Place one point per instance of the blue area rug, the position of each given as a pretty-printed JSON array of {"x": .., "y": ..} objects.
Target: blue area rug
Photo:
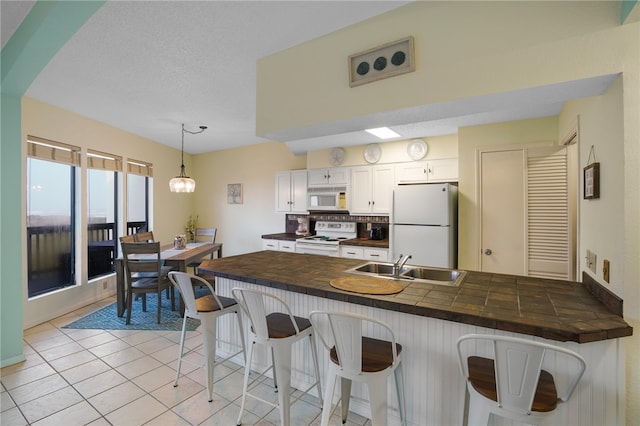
[{"x": 107, "y": 318}]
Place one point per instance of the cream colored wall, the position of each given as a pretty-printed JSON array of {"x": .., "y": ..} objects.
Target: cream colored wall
[
  {"x": 170, "y": 210},
  {"x": 523, "y": 132},
  {"x": 240, "y": 226},
  {"x": 529, "y": 44},
  {"x": 392, "y": 152}
]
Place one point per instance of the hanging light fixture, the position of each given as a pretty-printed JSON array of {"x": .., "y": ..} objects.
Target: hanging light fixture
[{"x": 184, "y": 183}]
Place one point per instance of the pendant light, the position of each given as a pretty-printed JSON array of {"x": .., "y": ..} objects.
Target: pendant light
[{"x": 184, "y": 183}]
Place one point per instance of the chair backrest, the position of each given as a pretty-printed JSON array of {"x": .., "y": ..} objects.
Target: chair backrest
[
  {"x": 141, "y": 257},
  {"x": 206, "y": 234},
  {"x": 345, "y": 331},
  {"x": 518, "y": 363},
  {"x": 184, "y": 282},
  {"x": 128, "y": 238},
  {"x": 252, "y": 303},
  {"x": 143, "y": 237}
]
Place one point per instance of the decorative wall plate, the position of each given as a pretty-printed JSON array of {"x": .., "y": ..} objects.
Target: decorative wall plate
[
  {"x": 372, "y": 153},
  {"x": 417, "y": 149},
  {"x": 336, "y": 156}
]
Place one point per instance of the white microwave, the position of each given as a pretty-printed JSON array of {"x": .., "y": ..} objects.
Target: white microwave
[{"x": 334, "y": 198}]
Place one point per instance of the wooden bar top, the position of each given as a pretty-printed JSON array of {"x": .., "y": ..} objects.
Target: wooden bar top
[{"x": 552, "y": 309}]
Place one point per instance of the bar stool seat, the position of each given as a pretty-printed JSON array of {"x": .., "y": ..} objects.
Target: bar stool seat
[{"x": 278, "y": 330}]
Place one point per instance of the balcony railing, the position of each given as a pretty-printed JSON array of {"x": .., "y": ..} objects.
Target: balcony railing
[{"x": 49, "y": 260}]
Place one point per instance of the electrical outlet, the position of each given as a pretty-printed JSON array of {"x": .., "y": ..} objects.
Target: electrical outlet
[
  {"x": 591, "y": 260},
  {"x": 605, "y": 270},
  {"x": 368, "y": 226}
]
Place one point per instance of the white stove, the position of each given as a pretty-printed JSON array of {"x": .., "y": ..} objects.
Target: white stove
[{"x": 327, "y": 239}]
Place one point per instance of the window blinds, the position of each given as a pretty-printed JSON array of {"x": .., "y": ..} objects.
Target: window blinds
[
  {"x": 45, "y": 149},
  {"x": 103, "y": 161},
  {"x": 138, "y": 167}
]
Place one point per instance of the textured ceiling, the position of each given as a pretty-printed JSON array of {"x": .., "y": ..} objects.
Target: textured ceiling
[{"x": 147, "y": 66}]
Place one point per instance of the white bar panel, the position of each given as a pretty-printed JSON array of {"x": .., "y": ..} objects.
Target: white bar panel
[{"x": 434, "y": 389}]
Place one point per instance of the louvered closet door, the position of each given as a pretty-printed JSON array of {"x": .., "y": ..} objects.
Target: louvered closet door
[
  {"x": 548, "y": 221},
  {"x": 525, "y": 222}
]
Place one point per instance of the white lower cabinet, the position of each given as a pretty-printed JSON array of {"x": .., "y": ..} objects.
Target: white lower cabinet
[
  {"x": 366, "y": 253},
  {"x": 352, "y": 252},
  {"x": 376, "y": 254},
  {"x": 279, "y": 245}
]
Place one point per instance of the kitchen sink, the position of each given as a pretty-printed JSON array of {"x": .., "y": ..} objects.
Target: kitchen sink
[
  {"x": 372, "y": 268},
  {"x": 439, "y": 276}
]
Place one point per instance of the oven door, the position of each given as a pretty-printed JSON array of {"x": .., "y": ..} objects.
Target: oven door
[{"x": 321, "y": 249}]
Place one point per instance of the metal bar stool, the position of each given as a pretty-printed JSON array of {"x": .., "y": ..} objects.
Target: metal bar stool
[
  {"x": 512, "y": 384},
  {"x": 278, "y": 330},
  {"x": 207, "y": 309},
  {"x": 353, "y": 356}
]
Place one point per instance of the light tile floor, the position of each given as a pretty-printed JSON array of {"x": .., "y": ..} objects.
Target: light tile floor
[{"x": 125, "y": 377}]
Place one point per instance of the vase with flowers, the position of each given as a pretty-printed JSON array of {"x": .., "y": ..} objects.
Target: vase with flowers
[{"x": 190, "y": 228}]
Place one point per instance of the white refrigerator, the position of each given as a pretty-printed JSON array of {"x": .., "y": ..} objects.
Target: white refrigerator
[{"x": 423, "y": 224}]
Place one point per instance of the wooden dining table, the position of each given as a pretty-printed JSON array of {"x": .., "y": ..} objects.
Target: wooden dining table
[{"x": 179, "y": 259}]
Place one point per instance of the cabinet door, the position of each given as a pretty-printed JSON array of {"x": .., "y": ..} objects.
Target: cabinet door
[
  {"x": 443, "y": 170},
  {"x": 299, "y": 191},
  {"x": 338, "y": 176},
  {"x": 318, "y": 177},
  {"x": 360, "y": 190},
  {"x": 270, "y": 245},
  {"x": 283, "y": 192},
  {"x": 417, "y": 172},
  {"x": 352, "y": 252},
  {"x": 376, "y": 254},
  {"x": 382, "y": 183}
]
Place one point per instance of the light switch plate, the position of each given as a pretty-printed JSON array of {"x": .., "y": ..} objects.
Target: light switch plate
[{"x": 591, "y": 261}]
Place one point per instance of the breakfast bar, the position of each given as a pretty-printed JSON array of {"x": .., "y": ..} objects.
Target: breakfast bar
[{"x": 429, "y": 318}]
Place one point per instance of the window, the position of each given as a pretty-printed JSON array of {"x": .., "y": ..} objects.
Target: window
[
  {"x": 51, "y": 207},
  {"x": 103, "y": 171},
  {"x": 139, "y": 198}
]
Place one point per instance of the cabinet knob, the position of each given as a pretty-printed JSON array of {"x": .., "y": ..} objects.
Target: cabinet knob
[{"x": 488, "y": 252}]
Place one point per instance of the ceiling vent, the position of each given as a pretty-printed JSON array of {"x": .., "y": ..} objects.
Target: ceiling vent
[{"x": 384, "y": 61}]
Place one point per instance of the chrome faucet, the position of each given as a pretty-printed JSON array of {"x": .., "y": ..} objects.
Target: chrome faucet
[{"x": 398, "y": 264}]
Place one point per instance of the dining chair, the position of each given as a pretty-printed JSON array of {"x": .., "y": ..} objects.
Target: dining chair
[
  {"x": 272, "y": 324},
  {"x": 144, "y": 237},
  {"x": 144, "y": 274},
  {"x": 512, "y": 383},
  {"x": 353, "y": 356},
  {"x": 207, "y": 309},
  {"x": 207, "y": 235}
]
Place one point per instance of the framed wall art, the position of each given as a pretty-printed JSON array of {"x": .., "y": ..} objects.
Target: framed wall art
[
  {"x": 592, "y": 181},
  {"x": 234, "y": 193}
]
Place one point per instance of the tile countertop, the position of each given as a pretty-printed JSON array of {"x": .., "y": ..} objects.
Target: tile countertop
[{"x": 552, "y": 309}]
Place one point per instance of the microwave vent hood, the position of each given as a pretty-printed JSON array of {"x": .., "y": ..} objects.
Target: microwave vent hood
[{"x": 326, "y": 189}]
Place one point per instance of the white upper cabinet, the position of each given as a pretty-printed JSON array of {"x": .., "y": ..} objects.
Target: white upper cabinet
[
  {"x": 441, "y": 170},
  {"x": 338, "y": 176},
  {"x": 371, "y": 189},
  {"x": 291, "y": 191}
]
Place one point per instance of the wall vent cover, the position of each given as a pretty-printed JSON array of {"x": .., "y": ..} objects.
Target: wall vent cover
[{"x": 384, "y": 61}]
